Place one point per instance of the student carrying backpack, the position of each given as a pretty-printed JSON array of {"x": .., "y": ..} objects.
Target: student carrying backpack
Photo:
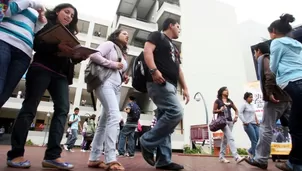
[{"x": 140, "y": 71}]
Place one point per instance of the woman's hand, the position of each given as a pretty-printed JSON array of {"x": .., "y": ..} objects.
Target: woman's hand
[
  {"x": 119, "y": 65},
  {"x": 235, "y": 119},
  {"x": 41, "y": 16},
  {"x": 65, "y": 48},
  {"x": 126, "y": 78}
]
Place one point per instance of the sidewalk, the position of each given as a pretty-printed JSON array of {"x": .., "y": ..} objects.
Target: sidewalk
[{"x": 79, "y": 159}]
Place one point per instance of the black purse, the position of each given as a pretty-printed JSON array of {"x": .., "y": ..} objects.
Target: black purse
[{"x": 217, "y": 124}]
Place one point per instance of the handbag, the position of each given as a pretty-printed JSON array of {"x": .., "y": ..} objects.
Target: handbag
[
  {"x": 95, "y": 74},
  {"x": 217, "y": 124}
]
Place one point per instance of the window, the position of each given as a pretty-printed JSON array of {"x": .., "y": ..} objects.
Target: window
[
  {"x": 82, "y": 42},
  {"x": 94, "y": 45},
  {"x": 83, "y": 26},
  {"x": 100, "y": 30}
]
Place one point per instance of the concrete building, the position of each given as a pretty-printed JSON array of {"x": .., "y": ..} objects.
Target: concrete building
[
  {"x": 212, "y": 58},
  {"x": 138, "y": 18}
]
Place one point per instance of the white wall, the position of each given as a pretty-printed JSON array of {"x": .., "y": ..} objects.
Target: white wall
[
  {"x": 251, "y": 33},
  {"x": 212, "y": 58}
]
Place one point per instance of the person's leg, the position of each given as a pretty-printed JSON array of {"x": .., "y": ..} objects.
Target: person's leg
[
  {"x": 294, "y": 89},
  {"x": 110, "y": 97},
  {"x": 5, "y": 59},
  {"x": 122, "y": 140},
  {"x": 271, "y": 113},
  {"x": 83, "y": 145},
  {"x": 99, "y": 135},
  {"x": 223, "y": 145},
  {"x": 131, "y": 142},
  {"x": 163, "y": 152},
  {"x": 73, "y": 139},
  {"x": 37, "y": 80},
  {"x": 87, "y": 145},
  {"x": 167, "y": 101},
  {"x": 250, "y": 131},
  {"x": 227, "y": 131},
  {"x": 59, "y": 92},
  {"x": 256, "y": 132},
  {"x": 17, "y": 67}
]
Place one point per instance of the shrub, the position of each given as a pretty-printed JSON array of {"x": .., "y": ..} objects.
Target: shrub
[
  {"x": 242, "y": 151},
  {"x": 29, "y": 143}
]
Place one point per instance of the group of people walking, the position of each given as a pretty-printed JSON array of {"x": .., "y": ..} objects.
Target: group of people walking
[
  {"x": 280, "y": 73},
  {"x": 24, "y": 20}
]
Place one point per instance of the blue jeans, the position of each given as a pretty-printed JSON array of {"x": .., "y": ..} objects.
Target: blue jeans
[
  {"x": 13, "y": 65},
  {"x": 107, "y": 129},
  {"x": 252, "y": 130},
  {"x": 127, "y": 132},
  {"x": 72, "y": 138},
  {"x": 170, "y": 113},
  {"x": 294, "y": 89}
]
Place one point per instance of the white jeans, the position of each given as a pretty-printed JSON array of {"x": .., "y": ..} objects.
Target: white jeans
[
  {"x": 106, "y": 131},
  {"x": 228, "y": 139}
]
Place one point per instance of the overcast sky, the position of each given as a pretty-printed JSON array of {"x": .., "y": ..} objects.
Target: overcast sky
[{"x": 262, "y": 11}]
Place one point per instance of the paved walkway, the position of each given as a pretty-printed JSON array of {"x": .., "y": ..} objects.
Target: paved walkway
[{"x": 79, "y": 159}]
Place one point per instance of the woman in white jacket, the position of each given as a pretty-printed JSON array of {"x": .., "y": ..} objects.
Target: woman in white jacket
[{"x": 109, "y": 95}]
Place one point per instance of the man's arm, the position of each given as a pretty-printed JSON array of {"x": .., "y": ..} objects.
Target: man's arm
[
  {"x": 182, "y": 80},
  {"x": 270, "y": 81},
  {"x": 183, "y": 85},
  {"x": 127, "y": 109},
  {"x": 148, "y": 55}
]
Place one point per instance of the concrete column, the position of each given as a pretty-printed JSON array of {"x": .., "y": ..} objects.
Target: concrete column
[
  {"x": 77, "y": 98},
  {"x": 153, "y": 11},
  {"x": 134, "y": 13},
  {"x": 212, "y": 58}
]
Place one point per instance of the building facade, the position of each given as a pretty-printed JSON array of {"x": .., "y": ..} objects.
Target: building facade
[{"x": 139, "y": 18}]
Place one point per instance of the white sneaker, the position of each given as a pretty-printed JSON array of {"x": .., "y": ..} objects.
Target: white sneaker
[
  {"x": 224, "y": 160},
  {"x": 83, "y": 151},
  {"x": 65, "y": 147},
  {"x": 239, "y": 159},
  {"x": 70, "y": 150}
]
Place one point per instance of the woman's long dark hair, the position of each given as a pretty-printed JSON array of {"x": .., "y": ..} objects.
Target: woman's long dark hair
[
  {"x": 114, "y": 38},
  {"x": 51, "y": 16},
  {"x": 219, "y": 93}
]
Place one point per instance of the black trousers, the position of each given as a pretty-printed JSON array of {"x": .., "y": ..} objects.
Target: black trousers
[
  {"x": 294, "y": 89},
  {"x": 37, "y": 81}
]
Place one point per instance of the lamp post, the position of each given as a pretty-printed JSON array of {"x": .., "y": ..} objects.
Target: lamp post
[
  {"x": 47, "y": 128},
  {"x": 198, "y": 96}
]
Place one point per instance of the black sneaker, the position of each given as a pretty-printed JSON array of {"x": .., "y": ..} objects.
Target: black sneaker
[
  {"x": 171, "y": 166},
  {"x": 256, "y": 164},
  {"x": 148, "y": 156}
]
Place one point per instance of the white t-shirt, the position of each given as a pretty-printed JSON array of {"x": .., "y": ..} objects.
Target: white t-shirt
[
  {"x": 84, "y": 126},
  {"x": 75, "y": 125}
]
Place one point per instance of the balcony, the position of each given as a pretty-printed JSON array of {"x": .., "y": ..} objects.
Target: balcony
[
  {"x": 138, "y": 31},
  {"x": 86, "y": 104},
  {"x": 139, "y": 9},
  {"x": 167, "y": 10}
]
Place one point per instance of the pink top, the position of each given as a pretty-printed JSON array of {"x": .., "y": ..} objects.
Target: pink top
[{"x": 106, "y": 56}]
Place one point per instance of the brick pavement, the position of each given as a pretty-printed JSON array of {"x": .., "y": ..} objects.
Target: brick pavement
[{"x": 79, "y": 159}]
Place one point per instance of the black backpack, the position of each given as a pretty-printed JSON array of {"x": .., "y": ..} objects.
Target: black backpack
[
  {"x": 140, "y": 71},
  {"x": 135, "y": 111},
  {"x": 69, "y": 124}
]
